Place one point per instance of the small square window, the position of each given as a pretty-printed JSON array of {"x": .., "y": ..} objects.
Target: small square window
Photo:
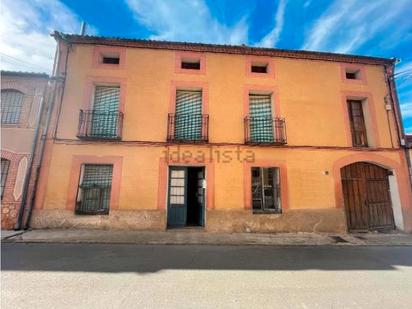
[
  {"x": 190, "y": 64},
  {"x": 110, "y": 58},
  {"x": 352, "y": 74},
  {"x": 259, "y": 68}
]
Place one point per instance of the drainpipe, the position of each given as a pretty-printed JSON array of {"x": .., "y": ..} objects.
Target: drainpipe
[
  {"x": 42, "y": 146},
  {"x": 399, "y": 126},
  {"x": 30, "y": 166},
  {"x": 56, "y": 81}
]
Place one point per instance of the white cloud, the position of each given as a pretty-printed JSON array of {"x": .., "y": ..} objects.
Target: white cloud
[
  {"x": 186, "y": 20},
  {"x": 352, "y": 23},
  {"x": 25, "y": 28},
  {"x": 406, "y": 109},
  {"x": 271, "y": 39}
]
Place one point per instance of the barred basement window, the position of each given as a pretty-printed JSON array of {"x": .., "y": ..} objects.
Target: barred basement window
[
  {"x": 94, "y": 190},
  {"x": 261, "y": 119},
  {"x": 5, "y": 164},
  {"x": 266, "y": 189},
  {"x": 188, "y": 122},
  {"x": 11, "y": 106}
]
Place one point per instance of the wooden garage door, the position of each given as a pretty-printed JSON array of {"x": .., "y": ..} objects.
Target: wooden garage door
[{"x": 367, "y": 197}]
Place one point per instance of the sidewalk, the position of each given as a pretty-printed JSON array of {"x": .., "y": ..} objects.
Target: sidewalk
[{"x": 200, "y": 237}]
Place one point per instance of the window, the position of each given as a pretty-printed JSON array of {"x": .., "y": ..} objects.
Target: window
[
  {"x": 190, "y": 64},
  {"x": 357, "y": 123},
  {"x": 105, "y": 111},
  {"x": 94, "y": 189},
  {"x": 261, "y": 120},
  {"x": 266, "y": 189},
  {"x": 5, "y": 164},
  {"x": 11, "y": 106},
  {"x": 188, "y": 121},
  {"x": 259, "y": 67},
  {"x": 111, "y": 60},
  {"x": 352, "y": 74}
]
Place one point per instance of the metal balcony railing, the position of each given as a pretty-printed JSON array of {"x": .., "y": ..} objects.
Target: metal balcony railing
[
  {"x": 95, "y": 124},
  {"x": 265, "y": 130},
  {"x": 188, "y": 128}
]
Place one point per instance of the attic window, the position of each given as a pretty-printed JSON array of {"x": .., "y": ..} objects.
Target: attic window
[
  {"x": 259, "y": 68},
  {"x": 190, "y": 64},
  {"x": 112, "y": 58},
  {"x": 352, "y": 74}
]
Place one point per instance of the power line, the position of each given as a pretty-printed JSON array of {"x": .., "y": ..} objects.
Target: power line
[{"x": 23, "y": 63}]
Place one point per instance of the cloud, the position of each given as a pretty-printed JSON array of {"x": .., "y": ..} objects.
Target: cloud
[
  {"x": 186, "y": 20},
  {"x": 271, "y": 39},
  {"x": 24, "y": 30},
  {"x": 347, "y": 25}
]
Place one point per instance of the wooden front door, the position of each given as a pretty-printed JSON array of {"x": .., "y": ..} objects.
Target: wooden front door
[
  {"x": 367, "y": 197},
  {"x": 177, "y": 206}
]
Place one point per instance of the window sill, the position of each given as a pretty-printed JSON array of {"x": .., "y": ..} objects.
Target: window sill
[{"x": 267, "y": 212}]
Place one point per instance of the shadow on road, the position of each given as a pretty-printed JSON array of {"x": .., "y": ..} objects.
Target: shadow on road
[{"x": 152, "y": 258}]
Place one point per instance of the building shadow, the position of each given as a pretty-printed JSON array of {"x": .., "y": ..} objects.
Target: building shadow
[{"x": 109, "y": 258}]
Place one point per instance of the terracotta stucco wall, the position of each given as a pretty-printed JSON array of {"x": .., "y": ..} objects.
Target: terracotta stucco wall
[{"x": 311, "y": 95}]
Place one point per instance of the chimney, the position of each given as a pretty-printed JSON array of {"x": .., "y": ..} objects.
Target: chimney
[{"x": 83, "y": 28}]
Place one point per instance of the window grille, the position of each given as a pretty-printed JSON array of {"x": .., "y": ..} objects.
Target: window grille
[
  {"x": 5, "y": 164},
  {"x": 261, "y": 120},
  {"x": 266, "y": 189},
  {"x": 105, "y": 111},
  {"x": 11, "y": 106},
  {"x": 94, "y": 189},
  {"x": 188, "y": 118}
]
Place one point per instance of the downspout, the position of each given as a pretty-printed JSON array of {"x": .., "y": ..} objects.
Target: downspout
[
  {"x": 27, "y": 177},
  {"x": 399, "y": 126},
  {"x": 56, "y": 80},
  {"x": 42, "y": 146}
]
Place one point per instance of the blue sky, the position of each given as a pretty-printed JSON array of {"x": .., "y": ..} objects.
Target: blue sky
[{"x": 366, "y": 27}]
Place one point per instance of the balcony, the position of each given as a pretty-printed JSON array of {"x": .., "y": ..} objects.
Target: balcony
[
  {"x": 188, "y": 128},
  {"x": 100, "y": 125},
  {"x": 265, "y": 130}
]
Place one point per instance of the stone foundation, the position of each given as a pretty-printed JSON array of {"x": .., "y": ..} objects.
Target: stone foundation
[
  {"x": 117, "y": 220},
  {"x": 9, "y": 213},
  {"x": 297, "y": 220},
  {"x": 232, "y": 221}
]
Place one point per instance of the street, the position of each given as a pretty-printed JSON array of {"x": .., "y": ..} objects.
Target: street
[{"x": 188, "y": 276}]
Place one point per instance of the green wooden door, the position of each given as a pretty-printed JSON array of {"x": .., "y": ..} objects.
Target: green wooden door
[
  {"x": 201, "y": 196},
  {"x": 177, "y": 204}
]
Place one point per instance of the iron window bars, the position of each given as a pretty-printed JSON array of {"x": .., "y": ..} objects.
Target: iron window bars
[
  {"x": 100, "y": 125},
  {"x": 188, "y": 124},
  {"x": 265, "y": 130},
  {"x": 94, "y": 190},
  {"x": 5, "y": 164},
  {"x": 11, "y": 106}
]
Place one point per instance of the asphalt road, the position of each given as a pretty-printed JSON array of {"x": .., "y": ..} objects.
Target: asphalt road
[{"x": 134, "y": 276}]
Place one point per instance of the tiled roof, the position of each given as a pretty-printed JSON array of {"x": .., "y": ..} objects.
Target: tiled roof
[
  {"x": 216, "y": 48},
  {"x": 24, "y": 74}
]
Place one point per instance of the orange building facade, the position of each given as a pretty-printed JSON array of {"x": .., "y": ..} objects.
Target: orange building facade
[{"x": 155, "y": 135}]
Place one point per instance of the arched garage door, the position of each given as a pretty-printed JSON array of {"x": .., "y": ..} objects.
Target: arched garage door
[{"x": 367, "y": 197}]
